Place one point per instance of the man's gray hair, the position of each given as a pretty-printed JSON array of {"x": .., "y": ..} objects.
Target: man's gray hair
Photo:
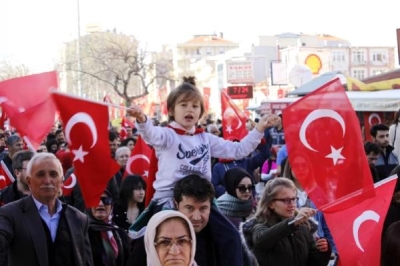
[
  {"x": 40, "y": 157},
  {"x": 121, "y": 149}
]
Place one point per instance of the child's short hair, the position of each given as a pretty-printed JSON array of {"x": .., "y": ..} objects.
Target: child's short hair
[{"x": 191, "y": 93}]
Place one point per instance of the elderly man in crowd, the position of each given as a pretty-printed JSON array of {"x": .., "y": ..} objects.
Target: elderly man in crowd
[{"x": 39, "y": 229}]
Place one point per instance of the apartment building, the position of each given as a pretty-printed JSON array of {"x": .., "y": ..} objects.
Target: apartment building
[{"x": 198, "y": 48}]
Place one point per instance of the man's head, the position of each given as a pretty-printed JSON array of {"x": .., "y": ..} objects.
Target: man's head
[
  {"x": 113, "y": 141},
  {"x": 60, "y": 136},
  {"x": 122, "y": 155},
  {"x": 14, "y": 144},
  {"x": 19, "y": 163},
  {"x": 372, "y": 151},
  {"x": 193, "y": 196},
  {"x": 44, "y": 177},
  {"x": 380, "y": 135}
]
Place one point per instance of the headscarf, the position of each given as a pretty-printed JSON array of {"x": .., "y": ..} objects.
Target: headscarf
[
  {"x": 232, "y": 179},
  {"x": 149, "y": 236},
  {"x": 111, "y": 243}
]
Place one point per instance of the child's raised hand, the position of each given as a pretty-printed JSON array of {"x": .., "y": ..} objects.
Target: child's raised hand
[
  {"x": 136, "y": 112},
  {"x": 267, "y": 121}
]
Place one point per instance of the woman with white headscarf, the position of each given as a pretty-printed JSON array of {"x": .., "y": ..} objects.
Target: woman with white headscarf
[{"x": 170, "y": 238}]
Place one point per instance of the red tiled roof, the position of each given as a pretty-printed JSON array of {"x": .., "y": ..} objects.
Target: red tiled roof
[{"x": 208, "y": 39}]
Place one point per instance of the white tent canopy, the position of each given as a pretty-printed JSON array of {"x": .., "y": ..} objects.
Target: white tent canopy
[
  {"x": 375, "y": 101},
  {"x": 362, "y": 101}
]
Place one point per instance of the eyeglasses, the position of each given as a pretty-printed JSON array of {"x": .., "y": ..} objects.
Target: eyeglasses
[
  {"x": 287, "y": 201},
  {"x": 106, "y": 200},
  {"x": 166, "y": 243},
  {"x": 243, "y": 189}
]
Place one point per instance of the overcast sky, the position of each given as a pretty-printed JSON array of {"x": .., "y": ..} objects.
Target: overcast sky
[{"x": 33, "y": 31}]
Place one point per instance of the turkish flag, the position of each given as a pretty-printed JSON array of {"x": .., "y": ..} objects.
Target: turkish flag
[
  {"x": 139, "y": 161},
  {"x": 125, "y": 123},
  {"x": 370, "y": 119},
  {"x": 324, "y": 144},
  {"x": 3, "y": 119},
  {"x": 357, "y": 230},
  {"x": 6, "y": 178},
  {"x": 85, "y": 125},
  {"x": 69, "y": 185},
  {"x": 107, "y": 99},
  {"x": 206, "y": 97},
  {"x": 163, "y": 94},
  {"x": 153, "y": 169},
  {"x": 233, "y": 119},
  {"x": 28, "y": 104}
]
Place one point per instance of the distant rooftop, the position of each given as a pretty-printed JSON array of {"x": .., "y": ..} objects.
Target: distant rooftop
[{"x": 207, "y": 39}]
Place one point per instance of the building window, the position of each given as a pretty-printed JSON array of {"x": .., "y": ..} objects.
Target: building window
[
  {"x": 208, "y": 51},
  {"x": 358, "y": 56},
  {"x": 338, "y": 56},
  {"x": 378, "y": 57},
  {"x": 221, "y": 50},
  {"x": 198, "y": 52},
  {"x": 377, "y": 72},
  {"x": 358, "y": 74}
]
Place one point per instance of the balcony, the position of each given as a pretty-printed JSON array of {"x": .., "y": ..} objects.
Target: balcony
[
  {"x": 379, "y": 63},
  {"x": 359, "y": 62}
]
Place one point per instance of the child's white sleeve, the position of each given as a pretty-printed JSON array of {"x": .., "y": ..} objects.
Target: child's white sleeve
[
  {"x": 158, "y": 137},
  {"x": 221, "y": 148}
]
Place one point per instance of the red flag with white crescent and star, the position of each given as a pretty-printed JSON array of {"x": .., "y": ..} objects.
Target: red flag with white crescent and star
[
  {"x": 6, "y": 178},
  {"x": 357, "y": 230},
  {"x": 86, "y": 131},
  {"x": 28, "y": 104},
  {"x": 69, "y": 185},
  {"x": 233, "y": 119},
  {"x": 153, "y": 169},
  {"x": 139, "y": 161},
  {"x": 370, "y": 119},
  {"x": 324, "y": 145},
  {"x": 125, "y": 123}
]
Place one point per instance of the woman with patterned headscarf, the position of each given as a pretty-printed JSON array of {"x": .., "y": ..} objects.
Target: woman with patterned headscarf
[{"x": 237, "y": 202}]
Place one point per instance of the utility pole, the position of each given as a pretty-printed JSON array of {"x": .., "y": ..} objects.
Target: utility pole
[
  {"x": 78, "y": 52},
  {"x": 398, "y": 44}
]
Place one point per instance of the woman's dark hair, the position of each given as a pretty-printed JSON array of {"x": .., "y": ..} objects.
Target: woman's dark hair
[
  {"x": 233, "y": 177},
  {"x": 126, "y": 141},
  {"x": 190, "y": 92},
  {"x": 391, "y": 246},
  {"x": 130, "y": 183},
  {"x": 50, "y": 143}
]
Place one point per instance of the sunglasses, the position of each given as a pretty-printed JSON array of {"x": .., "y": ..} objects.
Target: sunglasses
[
  {"x": 106, "y": 200},
  {"x": 243, "y": 189}
]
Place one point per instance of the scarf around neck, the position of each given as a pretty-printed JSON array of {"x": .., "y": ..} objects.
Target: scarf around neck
[
  {"x": 181, "y": 131},
  {"x": 234, "y": 207}
]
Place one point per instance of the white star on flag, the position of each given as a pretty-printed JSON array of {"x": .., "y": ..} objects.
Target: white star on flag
[
  {"x": 146, "y": 174},
  {"x": 79, "y": 154},
  {"x": 229, "y": 129},
  {"x": 335, "y": 155}
]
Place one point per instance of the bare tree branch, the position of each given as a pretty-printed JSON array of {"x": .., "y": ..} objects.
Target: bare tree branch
[{"x": 116, "y": 61}]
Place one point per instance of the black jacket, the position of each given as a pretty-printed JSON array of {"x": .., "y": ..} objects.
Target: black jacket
[
  {"x": 10, "y": 194},
  {"x": 96, "y": 242},
  {"x": 278, "y": 243}
]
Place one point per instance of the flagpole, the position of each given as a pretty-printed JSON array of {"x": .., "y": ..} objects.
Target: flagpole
[{"x": 78, "y": 50}]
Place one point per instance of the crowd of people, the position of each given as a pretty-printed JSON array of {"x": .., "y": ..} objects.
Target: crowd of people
[{"x": 206, "y": 209}]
